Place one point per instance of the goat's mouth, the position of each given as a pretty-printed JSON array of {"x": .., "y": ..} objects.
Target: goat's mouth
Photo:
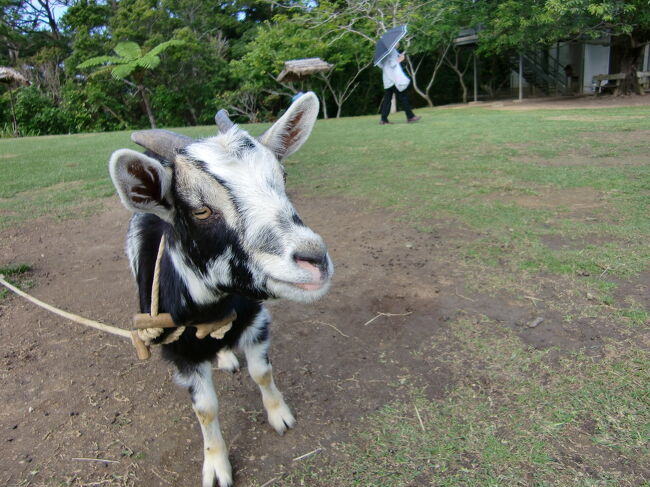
[
  {"x": 317, "y": 274},
  {"x": 305, "y": 286},
  {"x": 312, "y": 282}
]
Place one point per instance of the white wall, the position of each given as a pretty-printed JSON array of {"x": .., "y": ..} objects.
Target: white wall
[
  {"x": 596, "y": 62},
  {"x": 563, "y": 55}
]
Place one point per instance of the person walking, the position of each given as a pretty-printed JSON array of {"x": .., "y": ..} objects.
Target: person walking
[{"x": 395, "y": 82}]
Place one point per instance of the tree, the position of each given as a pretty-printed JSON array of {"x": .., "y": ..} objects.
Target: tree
[
  {"x": 368, "y": 20},
  {"x": 627, "y": 22},
  {"x": 526, "y": 24},
  {"x": 433, "y": 29},
  {"x": 12, "y": 79},
  {"x": 131, "y": 62},
  {"x": 284, "y": 40}
]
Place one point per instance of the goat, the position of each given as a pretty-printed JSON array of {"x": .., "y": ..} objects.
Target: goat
[{"x": 232, "y": 240}]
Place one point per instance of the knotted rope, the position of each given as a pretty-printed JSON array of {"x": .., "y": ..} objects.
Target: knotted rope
[
  {"x": 147, "y": 327},
  {"x": 147, "y": 335}
]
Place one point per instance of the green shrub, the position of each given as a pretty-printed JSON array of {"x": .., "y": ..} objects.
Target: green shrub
[{"x": 37, "y": 113}]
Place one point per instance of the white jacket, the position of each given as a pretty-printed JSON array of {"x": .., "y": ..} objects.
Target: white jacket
[{"x": 393, "y": 73}]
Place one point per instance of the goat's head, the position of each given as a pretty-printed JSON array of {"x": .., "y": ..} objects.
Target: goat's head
[{"x": 234, "y": 228}]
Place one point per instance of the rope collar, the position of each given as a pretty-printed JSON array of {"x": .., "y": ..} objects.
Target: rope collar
[{"x": 148, "y": 327}]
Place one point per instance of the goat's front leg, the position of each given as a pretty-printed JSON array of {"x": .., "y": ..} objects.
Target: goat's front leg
[
  {"x": 206, "y": 407},
  {"x": 259, "y": 367}
]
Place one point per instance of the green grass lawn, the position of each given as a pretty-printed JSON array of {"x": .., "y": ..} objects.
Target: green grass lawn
[
  {"x": 520, "y": 417},
  {"x": 563, "y": 194}
]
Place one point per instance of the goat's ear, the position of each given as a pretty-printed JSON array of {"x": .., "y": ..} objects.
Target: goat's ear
[
  {"x": 288, "y": 134},
  {"x": 141, "y": 181}
]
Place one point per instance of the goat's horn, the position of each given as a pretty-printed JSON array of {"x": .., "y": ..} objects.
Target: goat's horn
[
  {"x": 163, "y": 142},
  {"x": 223, "y": 122}
]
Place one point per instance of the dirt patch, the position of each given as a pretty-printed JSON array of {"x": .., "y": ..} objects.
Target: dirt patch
[
  {"x": 586, "y": 159},
  {"x": 632, "y": 138},
  {"x": 591, "y": 118},
  {"x": 576, "y": 199},
  {"x": 8, "y": 156},
  {"x": 630, "y": 150},
  {"x": 39, "y": 192},
  {"x": 71, "y": 395},
  {"x": 636, "y": 290},
  {"x": 563, "y": 242},
  {"x": 566, "y": 103}
]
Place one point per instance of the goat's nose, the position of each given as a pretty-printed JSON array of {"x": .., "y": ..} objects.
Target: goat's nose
[{"x": 315, "y": 257}]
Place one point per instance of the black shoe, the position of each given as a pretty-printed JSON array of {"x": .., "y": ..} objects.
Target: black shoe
[
  {"x": 385, "y": 122},
  {"x": 414, "y": 119}
]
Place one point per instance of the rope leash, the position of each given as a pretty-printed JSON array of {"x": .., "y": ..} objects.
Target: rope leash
[{"x": 147, "y": 327}]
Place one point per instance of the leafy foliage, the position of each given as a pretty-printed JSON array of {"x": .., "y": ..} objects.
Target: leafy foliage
[
  {"x": 129, "y": 59},
  {"x": 132, "y": 62},
  {"x": 233, "y": 50}
]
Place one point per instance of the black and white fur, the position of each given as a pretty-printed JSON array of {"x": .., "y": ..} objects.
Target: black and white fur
[{"x": 251, "y": 246}]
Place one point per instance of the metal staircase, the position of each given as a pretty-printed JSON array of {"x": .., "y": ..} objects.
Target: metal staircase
[{"x": 541, "y": 70}]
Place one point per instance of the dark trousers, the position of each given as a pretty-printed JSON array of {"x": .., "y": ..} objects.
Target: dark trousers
[{"x": 402, "y": 100}]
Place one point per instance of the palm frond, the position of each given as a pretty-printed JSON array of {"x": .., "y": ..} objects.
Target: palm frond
[
  {"x": 122, "y": 71},
  {"x": 148, "y": 61},
  {"x": 100, "y": 60},
  {"x": 128, "y": 50},
  {"x": 100, "y": 71},
  {"x": 165, "y": 45}
]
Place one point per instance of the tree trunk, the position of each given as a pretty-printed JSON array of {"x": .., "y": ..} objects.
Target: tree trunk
[
  {"x": 422, "y": 94},
  {"x": 631, "y": 62},
  {"x": 414, "y": 81},
  {"x": 51, "y": 19},
  {"x": 13, "y": 114},
  {"x": 112, "y": 113},
  {"x": 455, "y": 66},
  {"x": 324, "y": 103},
  {"x": 193, "y": 118},
  {"x": 425, "y": 96},
  {"x": 147, "y": 105}
]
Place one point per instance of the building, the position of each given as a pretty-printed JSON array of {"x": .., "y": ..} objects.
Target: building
[
  {"x": 570, "y": 67},
  {"x": 563, "y": 69}
]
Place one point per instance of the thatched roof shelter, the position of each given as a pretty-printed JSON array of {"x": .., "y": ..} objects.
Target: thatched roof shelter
[
  {"x": 11, "y": 76},
  {"x": 298, "y": 69}
]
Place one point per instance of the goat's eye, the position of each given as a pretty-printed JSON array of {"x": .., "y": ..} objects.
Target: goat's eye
[{"x": 202, "y": 213}]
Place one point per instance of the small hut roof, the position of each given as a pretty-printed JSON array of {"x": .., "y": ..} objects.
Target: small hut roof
[
  {"x": 10, "y": 75},
  {"x": 297, "y": 69}
]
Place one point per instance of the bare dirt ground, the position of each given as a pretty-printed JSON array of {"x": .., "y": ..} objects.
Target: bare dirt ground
[
  {"x": 72, "y": 396},
  {"x": 564, "y": 102}
]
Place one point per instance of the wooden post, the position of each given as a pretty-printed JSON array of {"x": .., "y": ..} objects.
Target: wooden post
[
  {"x": 475, "y": 79},
  {"x": 14, "y": 121},
  {"x": 521, "y": 77}
]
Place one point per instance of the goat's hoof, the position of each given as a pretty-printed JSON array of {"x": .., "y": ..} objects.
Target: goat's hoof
[
  {"x": 281, "y": 418},
  {"x": 217, "y": 472},
  {"x": 227, "y": 360}
]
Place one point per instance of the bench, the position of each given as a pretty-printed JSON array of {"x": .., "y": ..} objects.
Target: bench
[{"x": 613, "y": 81}]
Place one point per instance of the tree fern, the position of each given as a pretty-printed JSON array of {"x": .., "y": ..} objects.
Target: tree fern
[
  {"x": 99, "y": 60},
  {"x": 128, "y": 50},
  {"x": 164, "y": 45},
  {"x": 131, "y": 61},
  {"x": 148, "y": 61},
  {"x": 122, "y": 71}
]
